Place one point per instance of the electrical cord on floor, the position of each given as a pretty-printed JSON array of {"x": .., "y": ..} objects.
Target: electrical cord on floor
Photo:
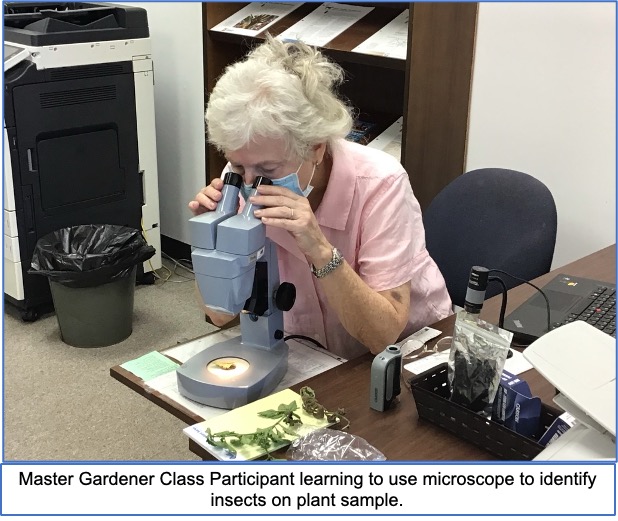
[
  {"x": 303, "y": 337},
  {"x": 178, "y": 264},
  {"x": 153, "y": 271},
  {"x": 169, "y": 273}
]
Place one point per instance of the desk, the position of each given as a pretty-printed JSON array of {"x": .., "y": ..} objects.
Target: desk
[{"x": 398, "y": 432}]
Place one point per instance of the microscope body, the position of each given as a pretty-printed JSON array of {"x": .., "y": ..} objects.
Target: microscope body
[
  {"x": 226, "y": 246},
  {"x": 236, "y": 270}
]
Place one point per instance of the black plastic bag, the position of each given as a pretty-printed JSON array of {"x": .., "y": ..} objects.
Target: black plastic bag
[{"x": 89, "y": 255}]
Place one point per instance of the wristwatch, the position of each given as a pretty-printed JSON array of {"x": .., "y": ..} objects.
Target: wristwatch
[{"x": 333, "y": 264}]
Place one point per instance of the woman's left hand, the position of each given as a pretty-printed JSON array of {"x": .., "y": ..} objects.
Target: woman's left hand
[{"x": 282, "y": 208}]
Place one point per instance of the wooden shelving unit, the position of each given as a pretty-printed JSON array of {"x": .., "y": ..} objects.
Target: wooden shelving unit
[{"x": 431, "y": 88}]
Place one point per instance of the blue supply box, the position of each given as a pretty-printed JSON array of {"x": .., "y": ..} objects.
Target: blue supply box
[{"x": 515, "y": 407}]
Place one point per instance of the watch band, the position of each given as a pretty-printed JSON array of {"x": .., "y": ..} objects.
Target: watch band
[{"x": 335, "y": 261}]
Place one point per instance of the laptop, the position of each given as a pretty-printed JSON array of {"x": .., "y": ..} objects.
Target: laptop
[{"x": 570, "y": 299}]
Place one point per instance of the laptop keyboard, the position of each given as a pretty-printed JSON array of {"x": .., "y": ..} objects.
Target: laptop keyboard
[{"x": 598, "y": 309}]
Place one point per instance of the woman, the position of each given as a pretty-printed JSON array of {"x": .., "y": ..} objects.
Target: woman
[{"x": 347, "y": 226}]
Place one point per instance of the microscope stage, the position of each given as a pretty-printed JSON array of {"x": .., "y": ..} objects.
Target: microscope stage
[{"x": 230, "y": 374}]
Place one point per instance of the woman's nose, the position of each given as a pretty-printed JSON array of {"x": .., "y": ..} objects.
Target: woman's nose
[{"x": 249, "y": 177}]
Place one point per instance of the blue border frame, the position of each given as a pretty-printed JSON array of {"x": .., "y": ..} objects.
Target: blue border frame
[{"x": 227, "y": 464}]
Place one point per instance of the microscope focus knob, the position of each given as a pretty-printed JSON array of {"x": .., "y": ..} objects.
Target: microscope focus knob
[{"x": 285, "y": 296}]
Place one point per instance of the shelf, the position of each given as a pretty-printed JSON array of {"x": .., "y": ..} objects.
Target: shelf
[
  {"x": 430, "y": 88},
  {"x": 340, "y": 48}
]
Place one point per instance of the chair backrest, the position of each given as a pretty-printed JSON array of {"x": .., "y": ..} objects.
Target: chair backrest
[{"x": 492, "y": 217}]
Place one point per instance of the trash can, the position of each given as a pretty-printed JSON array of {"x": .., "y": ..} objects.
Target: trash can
[{"x": 91, "y": 272}]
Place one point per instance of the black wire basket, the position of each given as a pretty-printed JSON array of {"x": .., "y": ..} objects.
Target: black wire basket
[{"x": 431, "y": 393}]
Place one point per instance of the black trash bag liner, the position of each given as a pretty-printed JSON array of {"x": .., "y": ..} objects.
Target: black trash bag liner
[{"x": 89, "y": 255}]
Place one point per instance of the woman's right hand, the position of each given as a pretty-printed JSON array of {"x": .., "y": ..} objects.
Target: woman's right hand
[{"x": 207, "y": 198}]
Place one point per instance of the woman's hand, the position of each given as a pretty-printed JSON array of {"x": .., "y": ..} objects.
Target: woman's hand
[
  {"x": 282, "y": 208},
  {"x": 207, "y": 198},
  {"x": 376, "y": 319}
]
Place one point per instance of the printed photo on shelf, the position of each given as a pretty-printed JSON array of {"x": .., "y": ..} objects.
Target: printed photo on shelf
[
  {"x": 256, "y": 17},
  {"x": 325, "y": 23}
]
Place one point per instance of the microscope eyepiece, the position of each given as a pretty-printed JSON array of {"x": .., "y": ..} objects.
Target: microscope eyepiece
[
  {"x": 260, "y": 180},
  {"x": 232, "y": 178}
]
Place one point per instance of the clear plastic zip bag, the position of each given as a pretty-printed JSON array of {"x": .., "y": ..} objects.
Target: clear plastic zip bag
[{"x": 478, "y": 353}]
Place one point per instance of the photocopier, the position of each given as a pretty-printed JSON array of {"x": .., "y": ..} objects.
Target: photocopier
[{"x": 79, "y": 131}]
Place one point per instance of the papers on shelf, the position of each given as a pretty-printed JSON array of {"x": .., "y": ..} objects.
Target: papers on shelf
[
  {"x": 390, "y": 41},
  {"x": 325, "y": 23},
  {"x": 246, "y": 419},
  {"x": 255, "y": 17},
  {"x": 304, "y": 361},
  {"x": 390, "y": 140}
]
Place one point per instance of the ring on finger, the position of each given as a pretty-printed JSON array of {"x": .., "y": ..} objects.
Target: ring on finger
[{"x": 292, "y": 214}]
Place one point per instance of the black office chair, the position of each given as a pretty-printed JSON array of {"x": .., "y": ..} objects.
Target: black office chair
[{"x": 495, "y": 218}]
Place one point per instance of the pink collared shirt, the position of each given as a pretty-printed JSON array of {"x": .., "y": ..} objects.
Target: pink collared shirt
[{"x": 371, "y": 216}]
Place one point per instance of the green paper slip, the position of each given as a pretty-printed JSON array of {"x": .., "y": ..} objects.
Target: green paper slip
[{"x": 150, "y": 365}]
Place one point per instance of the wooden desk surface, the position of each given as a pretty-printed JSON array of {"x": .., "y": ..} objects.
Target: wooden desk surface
[{"x": 398, "y": 432}]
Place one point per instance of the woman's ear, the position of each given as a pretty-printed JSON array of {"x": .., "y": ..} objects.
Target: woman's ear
[{"x": 318, "y": 153}]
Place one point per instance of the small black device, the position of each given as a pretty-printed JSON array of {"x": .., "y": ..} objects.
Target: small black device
[{"x": 385, "y": 378}]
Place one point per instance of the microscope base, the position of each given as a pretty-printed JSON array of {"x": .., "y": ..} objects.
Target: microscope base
[{"x": 231, "y": 374}]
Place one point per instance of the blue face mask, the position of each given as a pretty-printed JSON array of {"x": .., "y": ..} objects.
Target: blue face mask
[
  {"x": 290, "y": 182},
  {"x": 245, "y": 191}
]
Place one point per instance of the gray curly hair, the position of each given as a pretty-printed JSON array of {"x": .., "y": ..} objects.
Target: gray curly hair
[{"x": 280, "y": 90}]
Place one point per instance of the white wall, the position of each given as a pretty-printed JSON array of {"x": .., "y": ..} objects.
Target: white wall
[
  {"x": 544, "y": 102},
  {"x": 176, "y": 36}
]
